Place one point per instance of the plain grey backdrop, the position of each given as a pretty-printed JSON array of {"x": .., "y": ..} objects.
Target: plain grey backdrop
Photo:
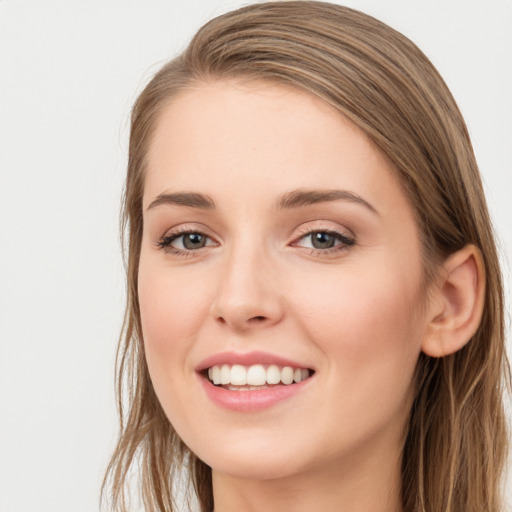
[{"x": 69, "y": 72}]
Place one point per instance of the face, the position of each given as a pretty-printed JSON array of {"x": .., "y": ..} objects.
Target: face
[{"x": 277, "y": 245}]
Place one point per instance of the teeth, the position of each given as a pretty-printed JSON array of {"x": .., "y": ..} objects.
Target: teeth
[
  {"x": 238, "y": 375},
  {"x": 287, "y": 375},
  {"x": 256, "y": 376},
  {"x": 244, "y": 388},
  {"x": 216, "y": 375},
  {"x": 273, "y": 374},
  {"x": 225, "y": 374}
]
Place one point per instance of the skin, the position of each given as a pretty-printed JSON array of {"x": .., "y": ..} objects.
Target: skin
[{"x": 353, "y": 313}]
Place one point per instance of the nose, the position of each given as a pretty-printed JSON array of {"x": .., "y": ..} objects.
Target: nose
[{"x": 248, "y": 295}]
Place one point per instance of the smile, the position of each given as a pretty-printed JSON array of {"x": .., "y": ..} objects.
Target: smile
[
  {"x": 248, "y": 378},
  {"x": 252, "y": 381}
]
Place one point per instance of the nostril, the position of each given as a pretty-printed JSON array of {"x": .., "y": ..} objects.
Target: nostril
[{"x": 240, "y": 321}]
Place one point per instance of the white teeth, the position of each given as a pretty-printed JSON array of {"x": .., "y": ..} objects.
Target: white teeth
[
  {"x": 238, "y": 375},
  {"x": 225, "y": 374},
  {"x": 255, "y": 376},
  {"x": 273, "y": 374},
  {"x": 287, "y": 375},
  {"x": 216, "y": 375}
]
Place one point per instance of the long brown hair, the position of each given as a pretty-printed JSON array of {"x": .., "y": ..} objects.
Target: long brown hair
[{"x": 455, "y": 449}]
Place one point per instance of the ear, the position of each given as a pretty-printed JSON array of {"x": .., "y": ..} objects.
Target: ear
[{"x": 456, "y": 305}]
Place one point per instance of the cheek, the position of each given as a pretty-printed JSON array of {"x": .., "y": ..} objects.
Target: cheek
[
  {"x": 170, "y": 302},
  {"x": 357, "y": 306},
  {"x": 368, "y": 326},
  {"x": 171, "y": 306}
]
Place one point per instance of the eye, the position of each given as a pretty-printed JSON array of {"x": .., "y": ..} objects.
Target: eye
[
  {"x": 322, "y": 240},
  {"x": 190, "y": 241},
  {"x": 185, "y": 241},
  {"x": 325, "y": 240}
]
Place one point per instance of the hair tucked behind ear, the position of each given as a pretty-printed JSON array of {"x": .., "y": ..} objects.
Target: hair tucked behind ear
[{"x": 456, "y": 443}]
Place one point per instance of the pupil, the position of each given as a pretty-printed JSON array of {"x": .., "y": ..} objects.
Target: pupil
[
  {"x": 193, "y": 241},
  {"x": 322, "y": 240}
]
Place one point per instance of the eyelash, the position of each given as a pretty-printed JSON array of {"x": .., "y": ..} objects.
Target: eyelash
[
  {"x": 346, "y": 242},
  {"x": 166, "y": 241}
]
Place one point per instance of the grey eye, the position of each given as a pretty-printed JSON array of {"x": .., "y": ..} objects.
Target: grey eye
[
  {"x": 191, "y": 241},
  {"x": 322, "y": 240}
]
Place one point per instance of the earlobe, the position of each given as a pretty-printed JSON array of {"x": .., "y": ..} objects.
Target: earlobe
[{"x": 457, "y": 303}]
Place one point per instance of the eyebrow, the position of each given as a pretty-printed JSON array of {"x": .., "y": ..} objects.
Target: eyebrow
[
  {"x": 289, "y": 200},
  {"x": 305, "y": 197},
  {"x": 191, "y": 199}
]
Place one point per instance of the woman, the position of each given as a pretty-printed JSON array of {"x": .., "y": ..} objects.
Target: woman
[{"x": 315, "y": 312}]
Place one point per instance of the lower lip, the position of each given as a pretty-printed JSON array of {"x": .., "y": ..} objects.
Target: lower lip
[{"x": 252, "y": 400}]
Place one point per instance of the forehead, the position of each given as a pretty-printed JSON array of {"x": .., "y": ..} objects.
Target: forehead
[{"x": 261, "y": 139}]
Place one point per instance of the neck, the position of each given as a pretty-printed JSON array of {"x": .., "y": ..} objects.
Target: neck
[{"x": 356, "y": 485}]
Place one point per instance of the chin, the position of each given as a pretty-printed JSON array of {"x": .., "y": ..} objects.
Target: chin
[
  {"x": 248, "y": 468},
  {"x": 253, "y": 462}
]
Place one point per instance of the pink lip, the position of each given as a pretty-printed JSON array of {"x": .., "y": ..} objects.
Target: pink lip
[
  {"x": 251, "y": 401},
  {"x": 247, "y": 359}
]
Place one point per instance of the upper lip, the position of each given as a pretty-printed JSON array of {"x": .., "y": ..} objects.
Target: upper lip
[{"x": 247, "y": 359}]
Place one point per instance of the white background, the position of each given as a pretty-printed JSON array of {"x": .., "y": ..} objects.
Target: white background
[{"x": 69, "y": 72}]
